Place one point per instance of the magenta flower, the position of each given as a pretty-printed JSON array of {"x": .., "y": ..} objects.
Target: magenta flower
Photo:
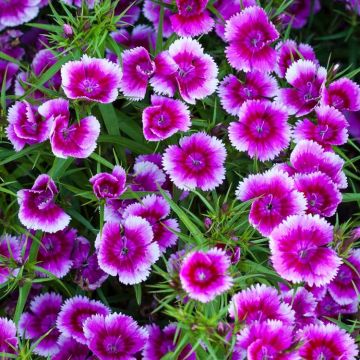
[
  {"x": 288, "y": 52},
  {"x": 10, "y": 69},
  {"x": 308, "y": 157},
  {"x": 129, "y": 10},
  {"x": 74, "y": 312},
  {"x": 197, "y": 162},
  {"x": 343, "y": 94},
  {"x": 250, "y": 34},
  {"x": 8, "y": 339},
  {"x": 274, "y": 198},
  {"x": 260, "y": 303},
  {"x": 268, "y": 339},
  {"x": 41, "y": 320},
  {"x": 55, "y": 252},
  {"x": 344, "y": 289},
  {"x": 326, "y": 341},
  {"x": 257, "y": 85},
  {"x": 322, "y": 195},
  {"x": 114, "y": 337},
  {"x": 147, "y": 177},
  {"x": 70, "y": 140},
  {"x": 307, "y": 80},
  {"x": 299, "y": 12},
  {"x": 162, "y": 342},
  {"x": 300, "y": 252},
  {"x": 151, "y": 11},
  {"x": 26, "y": 126},
  {"x": 329, "y": 129},
  {"x": 109, "y": 186},
  {"x": 71, "y": 349},
  {"x": 262, "y": 129},
  {"x": 185, "y": 67},
  {"x": 137, "y": 70},
  {"x": 10, "y": 253},
  {"x": 17, "y": 12},
  {"x": 155, "y": 210},
  {"x": 192, "y": 18},
  {"x": 91, "y": 79},
  {"x": 127, "y": 251},
  {"x": 205, "y": 275},
  {"x": 164, "y": 118},
  {"x": 38, "y": 210}
]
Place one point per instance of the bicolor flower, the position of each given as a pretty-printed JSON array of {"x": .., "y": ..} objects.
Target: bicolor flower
[
  {"x": 71, "y": 349},
  {"x": 38, "y": 210},
  {"x": 205, "y": 274},
  {"x": 250, "y": 34},
  {"x": 8, "y": 339},
  {"x": 262, "y": 129},
  {"x": 300, "y": 252},
  {"x": 147, "y": 176},
  {"x": 198, "y": 161},
  {"x": 10, "y": 255},
  {"x": 17, "y": 12},
  {"x": 151, "y": 11}
]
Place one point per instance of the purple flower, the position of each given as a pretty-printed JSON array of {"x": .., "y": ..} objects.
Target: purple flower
[
  {"x": 8, "y": 339},
  {"x": 299, "y": 12},
  {"x": 197, "y": 162},
  {"x": 326, "y": 341},
  {"x": 10, "y": 254},
  {"x": 69, "y": 349},
  {"x": 151, "y": 11},
  {"x": 322, "y": 195},
  {"x": 329, "y": 129},
  {"x": 127, "y": 250},
  {"x": 162, "y": 342},
  {"x": 9, "y": 70},
  {"x": 137, "y": 70},
  {"x": 155, "y": 210},
  {"x": 307, "y": 80},
  {"x": 192, "y": 18},
  {"x": 78, "y": 3},
  {"x": 38, "y": 210},
  {"x": 40, "y": 321},
  {"x": 268, "y": 339},
  {"x": 74, "y": 312},
  {"x": 300, "y": 252},
  {"x": 164, "y": 118},
  {"x": 109, "y": 186},
  {"x": 91, "y": 79},
  {"x": 17, "y": 12},
  {"x": 186, "y": 68},
  {"x": 260, "y": 303},
  {"x": 328, "y": 308},
  {"x": 274, "y": 198},
  {"x": 147, "y": 177},
  {"x": 114, "y": 337},
  {"x": 75, "y": 140},
  {"x": 250, "y": 34},
  {"x": 26, "y": 126},
  {"x": 257, "y": 85},
  {"x": 262, "y": 129},
  {"x": 130, "y": 12}
]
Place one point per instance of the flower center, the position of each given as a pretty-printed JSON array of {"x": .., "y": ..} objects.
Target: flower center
[
  {"x": 146, "y": 67},
  {"x": 90, "y": 86}
]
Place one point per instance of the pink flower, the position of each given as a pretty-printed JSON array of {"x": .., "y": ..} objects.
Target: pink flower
[
  {"x": 8, "y": 339},
  {"x": 114, "y": 337},
  {"x": 271, "y": 339},
  {"x": 70, "y": 140},
  {"x": 234, "y": 92},
  {"x": 205, "y": 275},
  {"x": 329, "y": 129},
  {"x": 250, "y": 34},
  {"x": 26, "y": 126},
  {"x": 274, "y": 198},
  {"x": 343, "y": 94},
  {"x": 164, "y": 118},
  {"x": 10, "y": 251},
  {"x": 197, "y": 162},
  {"x": 192, "y": 18},
  {"x": 307, "y": 80},
  {"x": 127, "y": 251},
  {"x": 322, "y": 195},
  {"x": 151, "y": 11},
  {"x": 326, "y": 341},
  {"x": 40, "y": 320},
  {"x": 260, "y": 303},
  {"x": 74, "y": 312},
  {"x": 288, "y": 52},
  {"x": 300, "y": 252},
  {"x": 38, "y": 210},
  {"x": 17, "y": 12},
  {"x": 137, "y": 70},
  {"x": 109, "y": 186},
  {"x": 91, "y": 79},
  {"x": 147, "y": 177},
  {"x": 262, "y": 129},
  {"x": 185, "y": 67},
  {"x": 155, "y": 210}
]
